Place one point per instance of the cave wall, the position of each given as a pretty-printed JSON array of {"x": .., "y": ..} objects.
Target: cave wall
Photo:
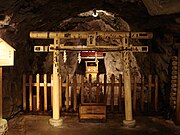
[
  {"x": 19, "y": 17},
  {"x": 158, "y": 7}
]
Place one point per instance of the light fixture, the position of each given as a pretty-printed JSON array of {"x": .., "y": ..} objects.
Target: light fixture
[
  {"x": 64, "y": 57},
  {"x": 95, "y": 14}
]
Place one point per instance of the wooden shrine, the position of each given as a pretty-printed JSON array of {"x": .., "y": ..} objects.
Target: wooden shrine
[
  {"x": 59, "y": 46},
  {"x": 91, "y": 69}
]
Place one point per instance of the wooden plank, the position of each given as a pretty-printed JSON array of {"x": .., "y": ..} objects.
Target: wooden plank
[
  {"x": 60, "y": 92},
  {"x": 95, "y": 84},
  {"x": 92, "y": 104},
  {"x": 30, "y": 92},
  {"x": 120, "y": 93},
  {"x": 156, "y": 93},
  {"x": 40, "y": 84},
  {"x": 142, "y": 93},
  {"x": 67, "y": 93},
  {"x": 149, "y": 91},
  {"x": 24, "y": 92},
  {"x": 82, "y": 89},
  {"x": 134, "y": 93},
  {"x": 112, "y": 92},
  {"x": 105, "y": 87},
  {"x": 38, "y": 92},
  {"x": 178, "y": 93},
  {"x": 45, "y": 92},
  {"x": 92, "y": 112},
  {"x": 1, "y": 96},
  {"x": 92, "y": 116},
  {"x": 75, "y": 92},
  {"x": 51, "y": 90},
  {"x": 92, "y": 109},
  {"x": 97, "y": 88},
  {"x": 90, "y": 88}
]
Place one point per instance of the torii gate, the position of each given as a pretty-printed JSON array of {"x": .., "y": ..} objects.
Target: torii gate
[{"x": 90, "y": 37}]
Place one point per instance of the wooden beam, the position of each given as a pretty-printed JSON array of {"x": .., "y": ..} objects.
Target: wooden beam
[
  {"x": 45, "y": 92},
  {"x": 134, "y": 93},
  {"x": 86, "y": 34},
  {"x": 105, "y": 86},
  {"x": 112, "y": 92},
  {"x": 156, "y": 93},
  {"x": 51, "y": 90},
  {"x": 24, "y": 92},
  {"x": 109, "y": 48},
  {"x": 90, "y": 88},
  {"x": 142, "y": 93},
  {"x": 1, "y": 96},
  {"x": 38, "y": 92},
  {"x": 97, "y": 88},
  {"x": 75, "y": 92},
  {"x": 149, "y": 91},
  {"x": 67, "y": 93},
  {"x": 82, "y": 89},
  {"x": 120, "y": 93},
  {"x": 30, "y": 92}
]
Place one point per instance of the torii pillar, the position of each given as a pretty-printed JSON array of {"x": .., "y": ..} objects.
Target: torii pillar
[
  {"x": 57, "y": 89},
  {"x": 129, "y": 122}
]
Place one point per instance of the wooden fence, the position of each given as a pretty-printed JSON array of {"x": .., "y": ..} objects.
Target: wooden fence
[{"x": 37, "y": 93}]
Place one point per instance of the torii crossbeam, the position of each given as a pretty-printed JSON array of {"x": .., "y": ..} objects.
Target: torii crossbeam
[{"x": 91, "y": 45}]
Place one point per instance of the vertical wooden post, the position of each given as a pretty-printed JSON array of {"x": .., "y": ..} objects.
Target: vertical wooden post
[
  {"x": 60, "y": 92},
  {"x": 57, "y": 89},
  {"x": 149, "y": 91},
  {"x": 97, "y": 88},
  {"x": 156, "y": 93},
  {"x": 75, "y": 93},
  {"x": 45, "y": 92},
  {"x": 38, "y": 91},
  {"x": 51, "y": 90},
  {"x": 134, "y": 93},
  {"x": 112, "y": 92},
  {"x": 142, "y": 93},
  {"x": 1, "y": 96},
  {"x": 67, "y": 92},
  {"x": 105, "y": 84},
  {"x": 120, "y": 93},
  {"x": 82, "y": 89},
  {"x": 90, "y": 88},
  {"x": 127, "y": 88},
  {"x": 30, "y": 92},
  {"x": 24, "y": 92}
]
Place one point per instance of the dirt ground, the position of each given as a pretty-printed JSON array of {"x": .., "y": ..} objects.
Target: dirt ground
[{"x": 39, "y": 125}]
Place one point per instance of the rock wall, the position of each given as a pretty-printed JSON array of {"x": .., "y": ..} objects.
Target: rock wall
[
  {"x": 19, "y": 17},
  {"x": 159, "y": 7}
]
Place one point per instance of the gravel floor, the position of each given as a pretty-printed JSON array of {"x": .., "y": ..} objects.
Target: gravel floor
[{"x": 38, "y": 125}]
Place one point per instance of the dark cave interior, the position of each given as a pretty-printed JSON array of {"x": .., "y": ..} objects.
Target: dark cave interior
[{"x": 19, "y": 17}]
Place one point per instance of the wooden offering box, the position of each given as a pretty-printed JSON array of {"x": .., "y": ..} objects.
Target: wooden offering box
[{"x": 92, "y": 113}]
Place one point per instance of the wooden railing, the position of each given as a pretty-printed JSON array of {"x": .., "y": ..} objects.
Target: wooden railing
[{"x": 36, "y": 93}]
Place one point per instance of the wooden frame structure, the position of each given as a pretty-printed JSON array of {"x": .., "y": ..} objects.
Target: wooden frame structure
[
  {"x": 114, "y": 86},
  {"x": 91, "y": 45}
]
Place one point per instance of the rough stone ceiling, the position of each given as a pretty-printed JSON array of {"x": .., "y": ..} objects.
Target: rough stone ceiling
[{"x": 22, "y": 16}]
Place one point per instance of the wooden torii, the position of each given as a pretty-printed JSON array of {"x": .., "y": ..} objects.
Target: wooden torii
[{"x": 90, "y": 37}]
